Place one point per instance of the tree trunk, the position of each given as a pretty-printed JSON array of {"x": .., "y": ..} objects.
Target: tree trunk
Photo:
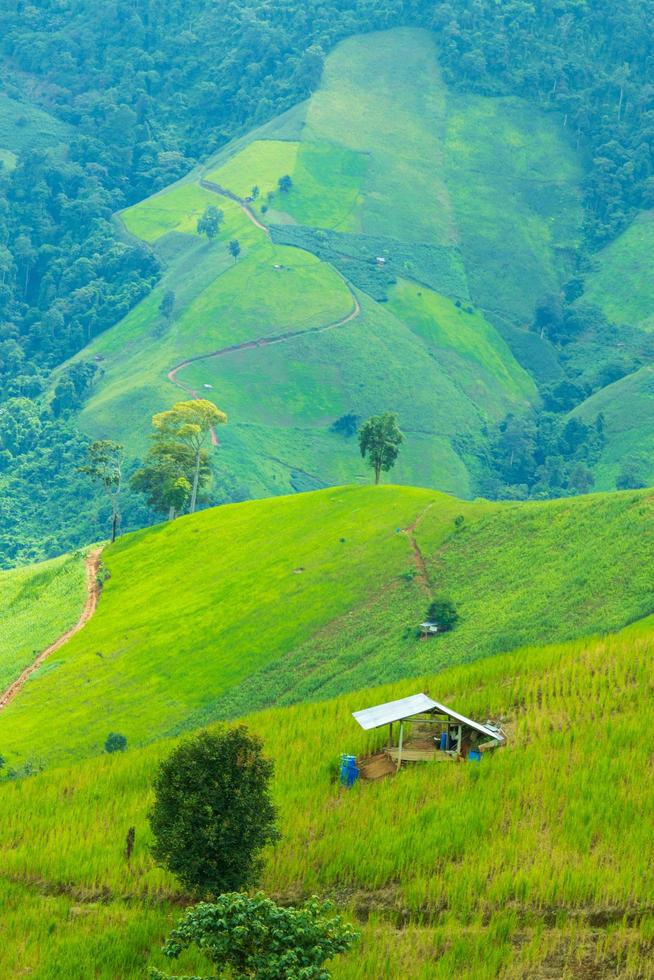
[
  {"x": 114, "y": 525},
  {"x": 171, "y": 513},
  {"x": 196, "y": 480},
  {"x": 377, "y": 472}
]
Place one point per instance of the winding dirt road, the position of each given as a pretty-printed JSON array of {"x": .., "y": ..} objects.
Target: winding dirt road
[
  {"x": 260, "y": 341},
  {"x": 92, "y": 595}
]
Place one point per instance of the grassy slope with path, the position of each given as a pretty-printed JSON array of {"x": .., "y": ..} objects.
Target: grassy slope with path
[
  {"x": 412, "y": 181},
  {"x": 189, "y": 626},
  {"x": 37, "y": 604},
  {"x": 517, "y": 868}
]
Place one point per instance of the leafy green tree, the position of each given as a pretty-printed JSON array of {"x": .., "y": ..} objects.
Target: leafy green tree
[
  {"x": 167, "y": 474},
  {"x": 254, "y": 193},
  {"x": 167, "y": 304},
  {"x": 105, "y": 466},
  {"x": 443, "y": 612},
  {"x": 234, "y": 248},
  {"x": 212, "y": 813},
  {"x": 247, "y": 936},
  {"x": 379, "y": 441},
  {"x": 115, "y": 742},
  {"x": 191, "y": 424},
  {"x": 285, "y": 183},
  {"x": 209, "y": 223}
]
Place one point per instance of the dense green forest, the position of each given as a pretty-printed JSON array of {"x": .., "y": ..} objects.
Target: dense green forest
[{"x": 140, "y": 92}]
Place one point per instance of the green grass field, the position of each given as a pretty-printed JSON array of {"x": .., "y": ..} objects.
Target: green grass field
[
  {"x": 517, "y": 867},
  {"x": 189, "y": 626},
  {"x": 628, "y": 410},
  {"x": 37, "y": 604},
  {"x": 620, "y": 283},
  {"x": 475, "y": 199}
]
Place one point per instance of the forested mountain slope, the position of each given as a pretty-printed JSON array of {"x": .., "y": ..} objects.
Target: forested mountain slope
[{"x": 201, "y": 74}]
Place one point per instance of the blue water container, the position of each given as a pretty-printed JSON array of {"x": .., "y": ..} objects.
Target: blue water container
[
  {"x": 474, "y": 755},
  {"x": 443, "y": 741},
  {"x": 349, "y": 770}
]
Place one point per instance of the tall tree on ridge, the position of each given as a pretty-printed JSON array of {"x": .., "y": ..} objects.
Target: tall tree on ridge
[{"x": 379, "y": 440}]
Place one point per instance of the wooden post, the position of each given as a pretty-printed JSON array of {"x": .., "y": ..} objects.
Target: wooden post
[
  {"x": 459, "y": 739},
  {"x": 390, "y": 735},
  {"x": 399, "y": 748}
]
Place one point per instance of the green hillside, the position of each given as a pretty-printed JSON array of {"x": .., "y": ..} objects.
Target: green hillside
[
  {"x": 308, "y": 596},
  {"x": 517, "y": 868},
  {"x": 385, "y": 162},
  {"x": 37, "y": 604},
  {"x": 620, "y": 283},
  {"x": 628, "y": 410}
]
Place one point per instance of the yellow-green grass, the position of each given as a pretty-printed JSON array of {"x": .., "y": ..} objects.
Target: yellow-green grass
[
  {"x": 483, "y": 364},
  {"x": 514, "y": 183},
  {"x": 535, "y": 859},
  {"x": 628, "y": 410},
  {"x": 260, "y": 164},
  {"x": 620, "y": 283},
  {"x": 326, "y": 192},
  {"x": 309, "y": 596},
  {"x": 37, "y": 604},
  {"x": 176, "y": 209}
]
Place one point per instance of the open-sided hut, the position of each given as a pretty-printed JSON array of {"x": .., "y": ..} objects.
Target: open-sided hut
[{"x": 433, "y": 731}]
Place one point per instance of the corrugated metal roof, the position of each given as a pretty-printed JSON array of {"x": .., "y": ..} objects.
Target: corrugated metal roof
[{"x": 384, "y": 714}]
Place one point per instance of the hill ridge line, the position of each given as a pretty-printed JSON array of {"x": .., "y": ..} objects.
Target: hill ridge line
[{"x": 90, "y": 605}]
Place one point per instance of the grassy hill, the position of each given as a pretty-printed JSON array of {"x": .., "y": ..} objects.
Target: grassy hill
[
  {"x": 385, "y": 162},
  {"x": 534, "y": 864},
  {"x": 37, "y": 604},
  {"x": 628, "y": 409},
  {"x": 305, "y": 597}
]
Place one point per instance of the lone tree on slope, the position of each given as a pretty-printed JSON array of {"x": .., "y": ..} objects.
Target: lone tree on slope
[
  {"x": 234, "y": 248},
  {"x": 105, "y": 466},
  {"x": 285, "y": 183},
  {"x": 379, "y": 441},
  {"x": 167, "y": 304},
  {"x": 190, "y": 424},
  {"x": 212, "y": 813},
  {"x": 210, "y": 222}
]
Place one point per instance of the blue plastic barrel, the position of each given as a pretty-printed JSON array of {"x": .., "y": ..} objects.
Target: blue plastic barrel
[
  {"x": 474, "y": 756},
  {"x": 443, "y": 741},
  {"x": 349, "y": 770}
]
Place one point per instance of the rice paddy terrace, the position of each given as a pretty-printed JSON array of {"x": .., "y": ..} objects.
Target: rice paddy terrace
[
  {"x": 518, "y": 867},
  {"x": 396, "y": 272}
]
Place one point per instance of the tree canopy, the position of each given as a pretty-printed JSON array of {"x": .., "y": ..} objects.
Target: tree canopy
[
  {"x": 253, "y": 937},
  {"x": 212, "y": 813}
]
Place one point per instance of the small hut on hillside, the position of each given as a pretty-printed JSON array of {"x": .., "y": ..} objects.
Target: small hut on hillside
[{"x": 429, "y": 731}]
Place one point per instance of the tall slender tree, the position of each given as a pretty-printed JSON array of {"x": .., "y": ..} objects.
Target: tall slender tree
[
  {"x": 105, "y": 466},
  {"x": 191, "y": 424}
]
